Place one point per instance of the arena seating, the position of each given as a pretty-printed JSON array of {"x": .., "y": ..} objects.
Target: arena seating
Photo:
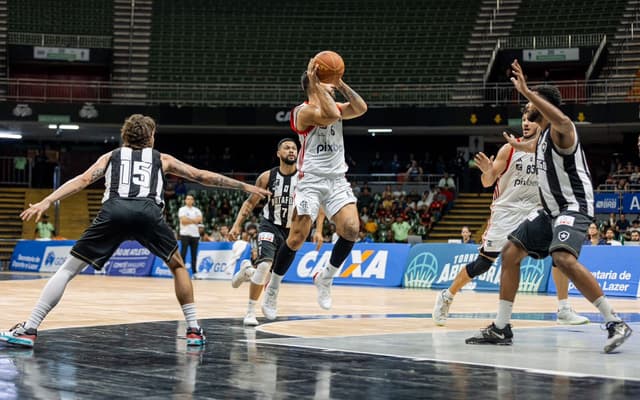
[
  {"x": 69, "y": 17},
  {"x": 551, "y": 17},
  {"x": 382, "y": 42}
]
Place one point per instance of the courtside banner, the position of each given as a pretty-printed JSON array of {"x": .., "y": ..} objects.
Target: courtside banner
[
  {"x": 614, "y": 267},
  {"x": 39, "y": 255},
  {"x": 215, "y": 261},
  {"x": 631, "y": 203},
  {"x": 606, "y": 202},
  {"x": 130, "y": 259},
  {"x": 436, "y": 265},
  {"x": 369, "y": 264}
]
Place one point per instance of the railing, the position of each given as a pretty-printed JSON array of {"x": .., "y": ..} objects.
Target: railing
[
  {"x": 15, "y": 171},
  {"x": 53, "y": 40},
  {"x": 216, "y": 95},
  {"x": 551, "y": 42}
]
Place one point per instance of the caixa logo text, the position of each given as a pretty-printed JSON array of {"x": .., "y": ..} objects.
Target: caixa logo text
[{"x": 364, "y": 264}]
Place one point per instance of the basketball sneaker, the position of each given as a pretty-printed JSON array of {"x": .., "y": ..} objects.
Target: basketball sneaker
[
  {"x": 244, "y": 274},
  {"x": 324, "y": 291},
  {"x": 492, "y": 335},
  {"x": 270, "y": 303},
  {"x": 566, "y": 316},
  {"x": 441, "y": 309},
  {"x": 619, "y": 331},
  {"x": 250, "y": 319},
  {"x": 19, "y": 335},
  {"x": 196, "y": 337}
]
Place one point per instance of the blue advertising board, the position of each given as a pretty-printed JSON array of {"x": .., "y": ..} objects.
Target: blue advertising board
[
  {"x": 369, "y": 264},
  {"x": 39, "y": 255},
  {"x": 215, "y": 261},
  {"x": 606, "y": 202},
  {"x": 614, "y": 267},
  {"x": 436, "y": 265},
  {"x": 130, "y": 259},
  {"x": 631, "y": 203}
]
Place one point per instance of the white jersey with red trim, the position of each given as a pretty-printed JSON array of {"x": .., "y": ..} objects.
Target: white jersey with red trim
[
  {"x": 517, "y": 186},
  {"x": 321, "y": 148}
]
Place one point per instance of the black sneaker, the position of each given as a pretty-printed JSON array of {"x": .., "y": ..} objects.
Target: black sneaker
[
  {"x": 619, "y": 331},
  {"x": 492, "y": 335}
]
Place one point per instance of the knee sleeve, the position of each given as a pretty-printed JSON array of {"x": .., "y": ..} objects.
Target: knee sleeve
[
  {"x": 262, "y": 269},
  {"x": 481, "y": 264}
]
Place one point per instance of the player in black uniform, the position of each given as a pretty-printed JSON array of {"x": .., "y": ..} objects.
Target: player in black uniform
[
  {"x": 132, "y": 209},
  {"x": 274, "y": 223}
]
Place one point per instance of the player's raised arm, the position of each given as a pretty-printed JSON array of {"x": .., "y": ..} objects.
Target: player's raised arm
[
  {"x": 492, "y": 167},
  {"x": 172, "y": 165},
  {"x": 74, "y": 185},
  {"x": 248, "y": 205},
  {"x": 355, "y": 107}
]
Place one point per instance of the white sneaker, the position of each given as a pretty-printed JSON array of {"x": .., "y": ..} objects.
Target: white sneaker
[
  {"x": 237, "y": 248},
  {"x": 566, "y": 316},
  {"x": 441, "y": 309},
  {"x": 270, "y": 303},
  {"x": 250, "y": 319},
  {"x": 324, "y": 291},
  {"x": 244, "y": 274},
  {"x": 199, "y": 275}
]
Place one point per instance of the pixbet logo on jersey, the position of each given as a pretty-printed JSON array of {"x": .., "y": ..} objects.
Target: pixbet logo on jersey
[
  {"x": 364, "y": 264},
  {"x": 329, "y": 148}
]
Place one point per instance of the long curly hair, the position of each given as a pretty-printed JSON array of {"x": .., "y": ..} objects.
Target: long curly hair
[{"x": 137, "y": 131}]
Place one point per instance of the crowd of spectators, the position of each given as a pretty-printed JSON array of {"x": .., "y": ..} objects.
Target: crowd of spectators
[{"x": 614, "y": 230}]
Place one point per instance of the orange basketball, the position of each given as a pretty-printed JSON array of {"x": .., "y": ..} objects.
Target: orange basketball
[{"x": 330, "y": 66}]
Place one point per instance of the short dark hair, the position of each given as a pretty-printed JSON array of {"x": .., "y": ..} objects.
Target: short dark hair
[
  {"x": 286, "y": 140},
  {"x": 550, "y": 94},
  {"x": 304, "y": 81}
]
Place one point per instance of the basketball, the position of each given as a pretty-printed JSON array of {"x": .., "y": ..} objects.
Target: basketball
[{"x": 330, "y": 66}]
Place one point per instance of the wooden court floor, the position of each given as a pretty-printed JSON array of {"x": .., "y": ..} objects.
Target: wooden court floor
[{"x": 123, "y": 338}]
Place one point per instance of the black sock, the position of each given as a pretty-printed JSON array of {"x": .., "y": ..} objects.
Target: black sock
[
  {"x": 284, "y": 258},
  {"x": 341, "y": 251}
]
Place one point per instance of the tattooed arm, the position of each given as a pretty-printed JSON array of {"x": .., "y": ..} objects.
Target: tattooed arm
[
  {"x": 95, "y": 172},
  {"x": 356, "y": 105},
  {"x": 172, "y": 165},
  {"x": 247, "y": 207}
]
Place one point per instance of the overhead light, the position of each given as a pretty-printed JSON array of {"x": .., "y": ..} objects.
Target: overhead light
[
  {"x": 53, "y": 126},
  {"x": 69, "y": 127},
  {"x": 376, "y": 131},
  {"x": 9, "y": 135}
]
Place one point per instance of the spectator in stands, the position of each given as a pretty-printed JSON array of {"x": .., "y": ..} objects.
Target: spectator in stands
[
  {"x": 364, "y": 237},
  {"x": 414, "y": 172},
  {"x": 635, "y": 235},
  {"x": 634, "y": 178},
  {"x": 169, "y": 190},
  {"x": 371, "y": 227},
  {"x": 204, "y": 236},
  {"x": 394, "y": 165},
  {"x": 224, "y": 233},
  {"x": 213, "y": 209},
  {"x": 610, "y": 237},
  {"x": 447, "y": 182},
  {"x": 190, "y": 216},
  {"x": 365, "y": 199},
  {"x": 180, "y": 188},
  {"x": 400, "y": 229},
  {"x": 377, "y": 164},
  {"x": 225, "y": 208},
  {"x": 593, "y": 236},
  {"x": 45, "y": 229},
  {"x": 465, "y": 234},
  {"x": 225, "y": 160},
  {"x": 427, "y": 163},
  {"x": 612, "y": 221},
  {"x": 622, "y": 225}
]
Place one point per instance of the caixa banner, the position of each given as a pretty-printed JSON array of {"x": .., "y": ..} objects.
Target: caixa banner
[
  {"x": 369, "y": 264},
  {"x": 435, "y": 266},
  {"x": 614, "y": 267},
  {"x": 215, "y": 260}
]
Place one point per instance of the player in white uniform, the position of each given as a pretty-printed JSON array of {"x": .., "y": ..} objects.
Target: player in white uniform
[
  {"x": 515, "y": 196},
  {"x": 322, "y": 182}
]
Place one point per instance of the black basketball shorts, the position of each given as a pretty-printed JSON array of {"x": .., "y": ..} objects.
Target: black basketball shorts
[{"x": 270, "y": 238}]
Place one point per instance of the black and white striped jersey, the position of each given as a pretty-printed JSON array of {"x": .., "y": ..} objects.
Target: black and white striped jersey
[
  {"x": 135, "y": 174},
  {"x": 564, "y": 179},
  {"x": 279, "y": 206}
]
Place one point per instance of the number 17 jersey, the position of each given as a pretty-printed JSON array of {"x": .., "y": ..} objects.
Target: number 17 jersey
[{"x": 134, "y": 174}]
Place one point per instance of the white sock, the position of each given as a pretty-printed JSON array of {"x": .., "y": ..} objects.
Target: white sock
[
  {"x": 189, "y": 311},
  {"x": 564, "y": 303},
  {"x": 504, "y": 313},
  {"x": 53, "y": 290},
  {"x": 448, "y": 294},
  {"x": 602, "y": 304},
  {"x": 329, "y": 272},
  {"x": 275, "y": 280},
  {"x": 252, "y": 305}
]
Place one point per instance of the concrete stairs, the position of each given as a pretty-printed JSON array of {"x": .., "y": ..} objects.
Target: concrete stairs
[{"x": 470, "y": 209}]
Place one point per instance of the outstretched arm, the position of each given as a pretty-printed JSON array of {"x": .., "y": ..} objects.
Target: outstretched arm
[
  {"x": 95, "y": 172},
  {"x": 248, "y": 206},
  {"x": 356, "y": 105},
  {"x": 172, "y": 165},
  {"x": 492, "y": 167},
  {"x": 561, "y": 125}
]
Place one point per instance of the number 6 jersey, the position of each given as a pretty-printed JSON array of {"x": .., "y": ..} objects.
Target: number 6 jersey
[{"x": 134, "y": 174}]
